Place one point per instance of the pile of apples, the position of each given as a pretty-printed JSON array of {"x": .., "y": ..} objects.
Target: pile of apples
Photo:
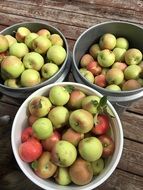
[
  {"x": 112, "y": 64},
  {"x": 68, "y": 135},
  {"x": 29, "y": 58}
]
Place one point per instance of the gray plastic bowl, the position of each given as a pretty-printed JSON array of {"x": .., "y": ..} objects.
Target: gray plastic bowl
[
  {"x": 132, "y": 32},
  {"x": 24, "y": 92}
]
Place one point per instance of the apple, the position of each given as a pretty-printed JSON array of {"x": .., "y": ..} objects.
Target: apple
[
  {"x": 119, "y": 54},
  {"x": 41, "y": 44},
  {"x": 132, "y": 72},
  {"x": 122, "y": 42},
  {"x": 114, "y": 76},
  {"x": 42, "y": 128},
  {"x": 13, "y": 83},
  {"x": 11, "y": 40},
  {"x": 108, "y": 145},
  {"x": 44, "y": 32},
  {"x": 119, "y": 65},
  {"x": 12, "y": 67},
  {"x": 140, "y": 80},
  {"x": 30, "y": 150},
  {"x": 106, "y": 58},
  {"x": 113, "y": 87},
  {"x": 27, "y": 134},
  {"x": 50, "y": 142},
  {"x": 94, "y": 50},
  {"x": 81, "y": 121},
  {"x": 30, "y": 77},
  {"x": 90, "y": 103},
  {"x": 33, "y": 60},
  {"x": 94, "y": 68},
  {"x": 107, "y": 41},
  {"x": 100, "y": 80},
  {"x": 29, "y": 39},
  {"x": 75, "y": 100},
  {"x": 18, "y": 49},
  {"x": 81, "y": 172},
  {"x": 133, "y": 56},
  {"x": 87, "y": 75},
  {"x": 3, "y": 43},
  {"x": 56, "y": 39},
  {"x": 56, "y": 54},
  {"x": 59, "y": 116},
  {"x": 44, "y": 167},
  {"x": 85, "y": 60},
  {"x": 97, "y": 166},
  {"x": 21, "y": 33},
  {"x": 48, "y": 70},
  {"x": 3, "y": 55},
  {"x": 101, "y": 124},
  {"x": 63, "y": 154},
  {"x": 90, "y": 149},
  {"x": 72, "y": 136},
  {"x": 131, "y": 84},
  {"x": 39, "y": 106},
  {"x": 62, "y": 176},
  {"x": 31, "y": 119},
  {"x": 58, "y": 95}
]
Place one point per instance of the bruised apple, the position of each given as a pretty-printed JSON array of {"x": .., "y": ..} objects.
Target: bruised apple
[{"x": 27, "y": 133}]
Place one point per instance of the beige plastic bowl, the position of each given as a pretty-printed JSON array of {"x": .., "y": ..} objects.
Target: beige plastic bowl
[{"x": 20, "y": 123}]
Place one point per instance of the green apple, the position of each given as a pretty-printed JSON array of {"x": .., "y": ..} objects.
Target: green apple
[
  {"x": 85, "y": 60},
  {"x": 90, "y": 103},
  {"x": 3, "y": 43},
  {"x": 33, "y": 60},
  {"x": 41, "y": 44},
  {"x": 29, "y": 39},
  {"x": 30, "y": 77},
  {"x": 107, "y": 41},
  {"x": 87, "y": 74},
  {"x": 21, "y": 33},
  {"x": 39, "y": 106},
  {"x": 122, "y": 42},
  {"x": 42, "y": 128},
  {"x": 81, "y": 121},
  {"x": 11, "y": 39},
  {"x": 90, "y": 149},
  {"x": 12, "y": 67},
  {"x": 44, "y": 32},
  {"x": 94, "y": 50},
  {"x": 58, "y": 95},
  {"x": 114, "y": 76},
  {"x": 56, "y": 54},
  {"x": 18, "y": 49},
  {"x": 48, "y": 70},
  {"x": 106, "y": 58},
  {"x": 62, "y": 176},
  {"x": 97, "y": 166},
  {"x": 13, "y": 83},
  {"x": 56, "y": 39},
  {"x": 59, "y": 116},
  {"x": 119, "y": 54},
  {"x": 132, "y": 72},
  {"x": 113, "y": 87},
  {"x": 63, "y": 154},
  {"x": 133, "y": 56}
]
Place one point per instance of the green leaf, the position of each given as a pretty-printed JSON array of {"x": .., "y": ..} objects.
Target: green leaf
[
  {"x": 69, "y": 88},
  {"x": 109, "y": 112},
  {"x": 103, "y": 101},
  {"x": 34, "y": 164}
]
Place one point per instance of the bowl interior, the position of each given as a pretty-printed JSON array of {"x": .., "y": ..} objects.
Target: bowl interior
[
  {"x": 131, "y": 32},
  {"x": 19, "y": 125}
]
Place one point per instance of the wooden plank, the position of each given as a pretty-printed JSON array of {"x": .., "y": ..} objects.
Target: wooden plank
[
  {"x": 137, "y": 106},
  {"x": 123, "y": 10}
]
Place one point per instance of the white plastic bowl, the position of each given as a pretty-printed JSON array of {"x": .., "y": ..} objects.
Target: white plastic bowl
[{"x": 20, "y": 123}]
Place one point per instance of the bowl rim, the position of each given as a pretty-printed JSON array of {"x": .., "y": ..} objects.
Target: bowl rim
[
  {"x": 62, "y": 66},
  {"x": 25, "y": 103},
  {"x": 75, "y": 65}
]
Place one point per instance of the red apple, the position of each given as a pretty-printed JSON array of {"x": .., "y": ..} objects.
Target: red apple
[
  {"x": 27, "y": 133},
  {"x": 49, "y": 143},
  {"x": 100, "y": 80},
  {"x": 108, "y": 145},
  {"x": 94, "y": 68},
  {"x": 102, "y": 125},
  {"x": 32, "y": 119},
  {"x": 30, "y": 150}
]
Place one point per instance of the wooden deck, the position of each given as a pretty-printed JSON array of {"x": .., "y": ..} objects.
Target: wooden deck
[{"x": 72, "y": 18}]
